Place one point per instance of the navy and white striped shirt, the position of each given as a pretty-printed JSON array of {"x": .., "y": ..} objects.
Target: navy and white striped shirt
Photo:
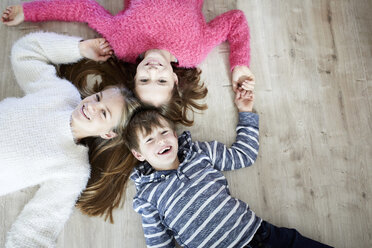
[{"x": 193, "y": 204}]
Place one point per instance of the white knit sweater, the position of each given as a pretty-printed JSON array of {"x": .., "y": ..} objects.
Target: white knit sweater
[{"x": 36, "y": 145}]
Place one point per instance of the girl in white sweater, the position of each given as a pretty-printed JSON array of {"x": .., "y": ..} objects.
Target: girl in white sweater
[{"x": 41, "y": 132}]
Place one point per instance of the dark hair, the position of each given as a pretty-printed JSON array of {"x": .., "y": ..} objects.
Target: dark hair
[
  {"x": 185, "y": 95},
  {"x": 144, "y": 119},
  {"x": 112, "y": 72}
]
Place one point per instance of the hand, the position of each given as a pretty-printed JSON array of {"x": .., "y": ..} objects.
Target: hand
[
  {"x": 13, "y": 15},
  {"x": 96, "y": 49},
  {"x": 244, "y": 100},
  {"x": 242, "y": 79}
]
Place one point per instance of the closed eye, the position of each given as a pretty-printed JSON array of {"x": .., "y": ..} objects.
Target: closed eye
[
  {"x": 149, "y": 140},
  {"x": 98, "y": 98},
  {"x": 164, "y": 132}
]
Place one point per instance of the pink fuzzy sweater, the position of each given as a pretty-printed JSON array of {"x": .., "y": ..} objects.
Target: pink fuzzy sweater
[{"x": 174, "y": 25}]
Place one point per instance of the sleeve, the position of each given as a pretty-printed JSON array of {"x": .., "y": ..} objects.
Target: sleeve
[
  {"x": 33, "y": 54},
  {"x": 242, "y": 153},
  {"x": 233, "y": 27},
  {"x": 44, "y": 216},
  {"x": 87, "y": 11},
  {"x": 156, "y": 234}
]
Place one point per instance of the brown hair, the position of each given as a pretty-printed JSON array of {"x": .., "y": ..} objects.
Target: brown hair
[
  {"x": 184, "y": 97},
  {"x": 112, "y": 72},
  {"x": 144, "y": 119},
  {"x": 111, "y": 161}
]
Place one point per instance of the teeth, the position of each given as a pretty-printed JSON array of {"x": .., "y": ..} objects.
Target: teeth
[
  {"x": 85, "y": 113},
  {"x": 164, "y": 150}
]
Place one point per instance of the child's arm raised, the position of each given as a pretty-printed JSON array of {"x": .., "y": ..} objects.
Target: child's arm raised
[
  {"x": 243, "y": 152},
  {"x": 156, "y": 234}
]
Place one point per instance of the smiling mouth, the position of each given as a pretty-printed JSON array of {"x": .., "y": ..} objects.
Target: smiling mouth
[
  {"x": 165, "y": 150},
  {"x": 83, "y": 112}
]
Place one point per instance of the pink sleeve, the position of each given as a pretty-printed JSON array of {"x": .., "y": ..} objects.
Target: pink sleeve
[
  {"x": 88, "y": 11},
  {"x": 233, "y": 27}
]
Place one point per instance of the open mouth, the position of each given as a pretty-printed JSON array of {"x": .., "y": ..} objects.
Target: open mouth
[
  {"x": 83, "y": 112},
  {"x": 165, "y": 150}
]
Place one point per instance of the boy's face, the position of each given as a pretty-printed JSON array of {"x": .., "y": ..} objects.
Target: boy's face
[{"x": 159, "y": 148}]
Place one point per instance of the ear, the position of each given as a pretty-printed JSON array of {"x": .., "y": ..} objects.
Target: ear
[
  {"x": 175, "y": 77},
  {"x": 137, "y": 155},
  {"x": 109, "y": 135}
]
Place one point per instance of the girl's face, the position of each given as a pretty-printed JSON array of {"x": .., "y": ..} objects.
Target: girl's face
[
  {"x": 98, "y": 114},
  {"x": 155, "y": 79}
]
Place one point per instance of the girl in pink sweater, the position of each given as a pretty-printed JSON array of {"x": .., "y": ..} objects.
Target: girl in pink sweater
[{"x": 159, "y": 31}]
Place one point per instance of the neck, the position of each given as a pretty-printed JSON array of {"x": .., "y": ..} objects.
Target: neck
[{"x": 173, "y": 166}]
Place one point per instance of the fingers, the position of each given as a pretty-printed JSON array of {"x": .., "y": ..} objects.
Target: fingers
[
  {"x": 6, "y": 15},
  {"x": 246, "y": 94},
  {"x": 13, "y": 15},
  {"x": 247, "y": 85},
  {"x": 105, "y": 47}
]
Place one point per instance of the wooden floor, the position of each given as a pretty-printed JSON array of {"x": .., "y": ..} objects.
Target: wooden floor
[{"x": 313, "y": 63}]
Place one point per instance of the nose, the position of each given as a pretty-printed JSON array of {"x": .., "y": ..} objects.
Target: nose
[
  {"x": 93, "y": 107},
  {"x": 154, "y": 68},
  {"x": 161, "y": 141}
]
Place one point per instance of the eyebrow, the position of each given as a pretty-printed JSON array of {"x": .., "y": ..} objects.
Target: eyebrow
[{"x": 108, "y": 110}]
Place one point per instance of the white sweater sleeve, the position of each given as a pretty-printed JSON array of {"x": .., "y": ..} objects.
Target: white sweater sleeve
[
  {"x": 33, "y": 55},
  {"x": 44, "y": 216}
]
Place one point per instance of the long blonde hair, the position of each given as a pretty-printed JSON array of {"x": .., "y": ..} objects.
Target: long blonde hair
[{"x": 111, "y": 161}]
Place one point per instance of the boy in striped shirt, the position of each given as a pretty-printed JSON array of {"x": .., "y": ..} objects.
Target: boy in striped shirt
[{"x": 181, "y": 192}]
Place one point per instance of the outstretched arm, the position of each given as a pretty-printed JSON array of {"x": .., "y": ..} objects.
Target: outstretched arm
[
  {"x": 88, "y": 11},
  {"x": 44, "y": 216},
  {"x": 243, "y": 152},
  {"x": 33, "y": 55}
]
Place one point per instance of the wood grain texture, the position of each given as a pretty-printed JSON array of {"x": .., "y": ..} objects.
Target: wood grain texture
[{"x": 313, "y": 66}]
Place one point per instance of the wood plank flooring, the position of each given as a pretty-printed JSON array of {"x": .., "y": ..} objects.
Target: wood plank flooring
[{"x": 313, "y": 65}]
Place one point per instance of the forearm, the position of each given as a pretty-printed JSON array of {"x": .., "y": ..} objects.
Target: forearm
[
  {"x": 88, "y": 11},
  {"x": 243, "y": 152},
  {"x": 233, "y": 27},
  {"x": 33, "y": 54},
  {"x": 247, "y": 140},
  {"x": 155, "y": 232},
  {"x": 239, "y": 40},
  {"x": 43, "y": 218}
]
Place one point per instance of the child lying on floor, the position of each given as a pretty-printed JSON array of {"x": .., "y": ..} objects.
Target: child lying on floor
[{"x": 182, "y": 194}]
